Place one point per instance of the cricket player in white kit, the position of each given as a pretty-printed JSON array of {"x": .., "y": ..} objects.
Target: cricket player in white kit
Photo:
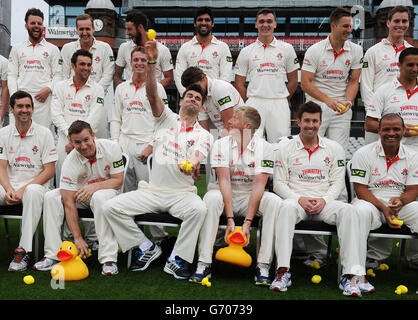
[
  {"x": 103, "y": 64},
  {"x": 132, "y": 124},
  {"x": 204, "y": 51},
  {"x": 91, "y": 174},
  {"x": 266, "y": 64},
  {"x": 77, "y": 98},
  {"x": 34, "y": 65},
  {"x": 221, "y": 99},
  {"x": 136, "y": 27},
  {"x": 385, "y": 180},
  {"x": 243, "y": 161},
  {"x": 27, "y": 163},
  {"x": 330, "y": 76},
  {"x": 309, "y": 176},
  {"x": 397, "y": 96},
  {"x": 4, "y": 90},
  {"x": 380, "y": 62},
  {"x": 171, "y": 188}
]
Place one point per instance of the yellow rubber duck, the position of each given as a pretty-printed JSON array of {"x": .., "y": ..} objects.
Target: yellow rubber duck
[
  {"x": 235, "y": 253},
  {"x": 370, "y": 273},
  {"x": 383, "y": 267},
  {"x": 71, "y": 267},
  {"x": 401, "y": 289}
]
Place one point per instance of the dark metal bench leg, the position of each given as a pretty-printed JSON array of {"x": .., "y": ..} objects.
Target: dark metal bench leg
[
  {"x": 401, "y": 254},
  {"x": 329, "y": 248},
  {"x": 6, "y": 226}
]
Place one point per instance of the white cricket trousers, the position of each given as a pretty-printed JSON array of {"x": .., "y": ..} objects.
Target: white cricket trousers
[
  {"x": 136, "y": 172},
  {"x": 275, "y": 116},
  {"x": 187, "y": 206},
  {"x": 61, "y": 143},
  {"x": 371, "y": 218},
  {"x": 334, "y": 213},
  {"x": 32, "y": 202},
  {"x": 335, "y": 127},
  {"x": 54, "y": 217},
  {"x": 268, "y": 209}
]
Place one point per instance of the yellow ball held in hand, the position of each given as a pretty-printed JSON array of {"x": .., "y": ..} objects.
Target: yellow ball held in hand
[
  {"x": 315, "y": 265},
  {"x": 186, "y": 166},
  {"x": 370, "y": 273},
  {"x": 151, "y": 34},
  {"x": 396, "y": 220},
  {"x": 341, "y": 107},
  {"x": 316, "y": 279},
  {"x": 29, "y": 280}
]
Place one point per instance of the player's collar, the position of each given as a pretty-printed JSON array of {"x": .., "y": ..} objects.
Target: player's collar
[
  {"x": 381, "y": 152},
  {"x": 93, "y": 46},
  {"x": 273, "y": 43},
  {"x": 346, "y": 46},
  {"x": 214, "y": 40},
  {"x": 29, "y": 133},
  {"x": 250, "y": 146},
  {"x": 300, "y": 145},
  {"x": 30, "y": 44}
]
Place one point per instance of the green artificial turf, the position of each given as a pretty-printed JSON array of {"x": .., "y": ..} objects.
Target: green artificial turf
[{"x": 229, "y": 282}]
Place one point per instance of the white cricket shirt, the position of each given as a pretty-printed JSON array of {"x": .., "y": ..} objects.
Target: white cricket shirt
[
  {"x": 164, "y": 59},
  {"x": 266, "y": 68},
  {"x": 174, "y": 143},
  {"x": 77, "y": 171},
  {"x": 132, "y": 114},
  {"x": 33, "y": 67},
  {"x": 332, "y": 68},
  {"x": 380, "y": 66},
  {"x": 258, "y": 157},
  {"x": 392, "y": 97},
  {"x": 214, "y": 59},
  {"x": 309, "y": 173},
  {"x": 103, "y": 61},
  {"x": 221, "y": 95},
  {"x": 70, "y": 103},
  {"x": 385, "y": 178},
  {"x": 26, "y": 155}
]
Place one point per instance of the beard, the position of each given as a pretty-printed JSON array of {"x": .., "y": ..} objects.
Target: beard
[
  {"x": 204, "y": 33},
  {"x": 189, "y": 111},
  {"x": 34, "y": 36},
  {"x": 137, "y": 38}
]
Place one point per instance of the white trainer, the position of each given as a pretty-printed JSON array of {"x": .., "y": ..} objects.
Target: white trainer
[
  {"x": 349, "y": 286},
  {"x": 110, "y": 269},
  {"x": 281, "y": 281},
  {"x": 44, "y": 264},
  {"x": 364, "y": 285}
]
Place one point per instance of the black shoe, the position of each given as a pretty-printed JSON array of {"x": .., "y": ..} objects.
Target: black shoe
[
  {"x": 144, "y": 258},
  {"x": 178, "y": 267}
]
